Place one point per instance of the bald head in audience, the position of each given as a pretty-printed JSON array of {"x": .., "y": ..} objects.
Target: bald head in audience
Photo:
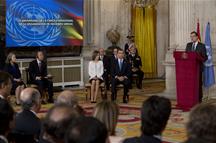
[
  {"x": 67, "y": 97},
  {"x": 30, "y": 99},
  {"x": 56, "y": 121}
]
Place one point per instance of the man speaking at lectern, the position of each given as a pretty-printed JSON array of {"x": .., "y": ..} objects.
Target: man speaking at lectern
[{"x": 196, "y": 46}]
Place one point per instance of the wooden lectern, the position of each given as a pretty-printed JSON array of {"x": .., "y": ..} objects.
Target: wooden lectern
[{"x": 187, "y": 78}]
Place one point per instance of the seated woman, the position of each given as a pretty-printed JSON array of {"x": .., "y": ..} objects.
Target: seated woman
[
  {"x": 12, "y": 68},
  {"x": 95, "y": 71},
  {"x": 107, "y": 112}
]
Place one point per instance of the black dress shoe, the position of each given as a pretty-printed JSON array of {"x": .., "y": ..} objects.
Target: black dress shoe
[
  {"x": 125, "y": 101},
  {"x": 139, "y": 86},
  {"x": 43, "y": 102},
  {"x": 113, "y": 97},
  {"x": 50, "y": 101}
]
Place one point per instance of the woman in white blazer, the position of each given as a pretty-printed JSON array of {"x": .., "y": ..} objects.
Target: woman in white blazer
[{"x": 95, "y": 71}]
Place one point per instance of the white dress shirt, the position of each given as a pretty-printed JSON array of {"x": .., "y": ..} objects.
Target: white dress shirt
[
  {"x": 195, "y": 45},
  {"x": 116, "y": 139},
  {"x": 2, "y": 97},
  {"x": 4, "y": 138},
  {"x": 120, "y": 62},
  {"x": 96, "y": 69},
  {"x": 38, "y": 61}
]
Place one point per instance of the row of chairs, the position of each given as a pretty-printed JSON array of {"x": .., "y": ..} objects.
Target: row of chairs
[{"x": 103, "y": 89}]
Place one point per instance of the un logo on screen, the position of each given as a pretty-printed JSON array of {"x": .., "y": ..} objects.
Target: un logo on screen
[{"x": 29, "y": 25}]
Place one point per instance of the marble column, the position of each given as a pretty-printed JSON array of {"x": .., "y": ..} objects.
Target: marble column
[{"x": 162, "y": 27}]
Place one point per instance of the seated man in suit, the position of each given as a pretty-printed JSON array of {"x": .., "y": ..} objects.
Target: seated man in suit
[
  {"x": 121, "y": 72},
  {"x": 28, "y": 125},
  {"x": 136, "y": 64},
  {"x": 155, "y": 113},
  {"x": 106, "y": 65},
  {"x": 38, "y": 75},
  {"x": 6, "y": 121}
]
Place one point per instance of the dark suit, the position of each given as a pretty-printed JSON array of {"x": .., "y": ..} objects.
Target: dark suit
[
  {"x": 136, "y": 62},
  {"x": 143, "y": 139},
  {"x": 35, "y": 71},
  {"x": 27, "y": 124},
  {"x": 198, "y": 140},
  {"x": 14, "y": 71},
  {"x": 124, "y": 71},
  {"x": 126, "y": 49},
  {"x": 112, "y": 62},
  {"x": 201, "y": 49},
  {"x": 106, "y": 64}
]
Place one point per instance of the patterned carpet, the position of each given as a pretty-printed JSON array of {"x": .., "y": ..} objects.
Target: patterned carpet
[{"x": 129, "y": 119}]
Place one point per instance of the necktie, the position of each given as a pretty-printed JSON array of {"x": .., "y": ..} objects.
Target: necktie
[
  {"x": 193, "y": 47},
  {"x": 39, "y": 65},
  {"x": 120, "y": 65}
]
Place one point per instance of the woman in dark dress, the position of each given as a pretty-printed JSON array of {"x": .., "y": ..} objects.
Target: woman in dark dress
[{"x": 12, "y": 68}]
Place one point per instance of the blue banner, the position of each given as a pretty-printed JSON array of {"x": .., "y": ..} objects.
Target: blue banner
[
  {"x": 44, "y": 23},
  {"x": 208, "y": 74}
]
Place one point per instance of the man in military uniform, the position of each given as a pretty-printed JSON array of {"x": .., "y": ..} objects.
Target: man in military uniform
[{"x": 136, "y": 65}]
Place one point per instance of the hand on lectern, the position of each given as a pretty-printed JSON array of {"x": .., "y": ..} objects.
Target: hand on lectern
[{"x": 184, "y": 55}]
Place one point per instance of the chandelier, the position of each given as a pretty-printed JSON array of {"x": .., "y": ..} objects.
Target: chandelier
[{"x": 142, "y": 3}]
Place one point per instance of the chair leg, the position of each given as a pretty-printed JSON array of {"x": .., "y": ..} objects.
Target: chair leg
[
  {"x": 86, "y": 93},
  {"x": 90, "y": 93},
  {"x": 105, "y": 92}
]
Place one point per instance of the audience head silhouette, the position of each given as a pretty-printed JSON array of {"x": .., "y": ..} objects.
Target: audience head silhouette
[
  {"x": 30, "y": 99},
  {"x": 56, "y": 121},
  {"x": 202, "y": 123},
  {"x": 107, "y": 112},
  {"x": 6, "y": 117},
  {"x": 5, "y": 84},
  {"x": 67, "y": 97},
  {"x": 155, "y": 113},
  {"x": 86, "y": 130}
]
